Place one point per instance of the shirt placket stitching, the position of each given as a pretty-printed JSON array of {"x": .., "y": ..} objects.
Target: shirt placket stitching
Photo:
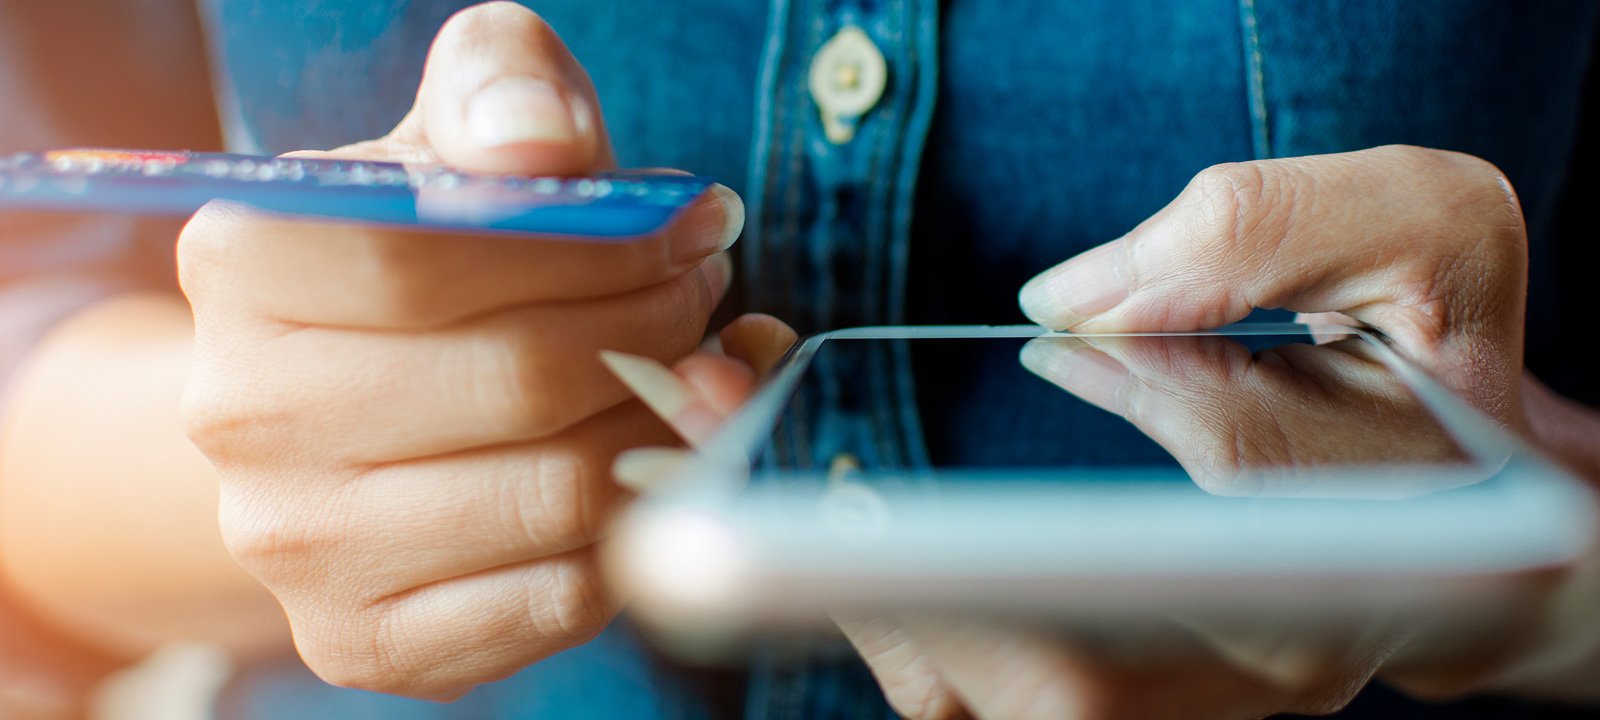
[
  {"x": 878, "y": 234},
  {"x": 890, "y": 139},
  {"x": 1255, "y": 79},
  {"x": 798, "y": 105}
]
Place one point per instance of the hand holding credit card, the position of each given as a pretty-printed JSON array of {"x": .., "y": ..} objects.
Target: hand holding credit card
[
  {"x": 140, "y": 182},
  {"x": 411, "y": 426}
]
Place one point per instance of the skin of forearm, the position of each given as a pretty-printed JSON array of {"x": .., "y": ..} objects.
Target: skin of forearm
[{"x": 108, "y": 522}]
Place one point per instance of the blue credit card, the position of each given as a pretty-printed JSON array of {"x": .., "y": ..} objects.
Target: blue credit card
[{"x": 611, "y": 206}]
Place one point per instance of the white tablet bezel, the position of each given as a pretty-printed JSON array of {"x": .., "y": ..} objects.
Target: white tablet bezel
[{"x": 695, "y": 558}]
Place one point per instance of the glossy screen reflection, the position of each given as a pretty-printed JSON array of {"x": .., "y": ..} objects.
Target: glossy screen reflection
[
  {"x": 1260, "y": 415},
  {"x": 1072, "y": 477}
]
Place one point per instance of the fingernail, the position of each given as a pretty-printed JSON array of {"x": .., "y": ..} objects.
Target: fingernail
[
  {"x": 719, "y": 272},
  {"x": 1077, "y": 289},
  {"x": 667, "y": 395},
  {"x": 711, "y": 227},
  {"x": 664, "y": 393},
  {"x": 1079, "y": 369},
  {"x": 732, "y": 215},
  {"x": 519, "y": 109},
  {"x": 647, "y": 469},
  {"x": 758, "y": 340}
]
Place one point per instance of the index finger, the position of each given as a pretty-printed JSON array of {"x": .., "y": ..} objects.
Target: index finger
[
  {"x": 1425, "y": 245},
  {"x": 350, "y": 275},
  {"x": 1291, "y": 422}
]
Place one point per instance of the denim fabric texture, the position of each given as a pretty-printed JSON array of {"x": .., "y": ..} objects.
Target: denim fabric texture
[
  {"x": 1011, "y": 135},
  {"x": 828, "y": 245}
]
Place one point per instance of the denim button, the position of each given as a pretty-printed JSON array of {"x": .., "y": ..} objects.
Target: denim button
[{"x": 847, "y": 78}]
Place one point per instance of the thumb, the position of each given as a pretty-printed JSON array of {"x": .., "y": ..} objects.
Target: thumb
[
  {"x": 1426, "y": 246},
  {"x": 1397, "y": 237},
  {"x": 502, "y": 94}
]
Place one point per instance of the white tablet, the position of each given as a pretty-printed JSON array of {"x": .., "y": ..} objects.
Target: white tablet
[{"x": 1261, "y": 468}]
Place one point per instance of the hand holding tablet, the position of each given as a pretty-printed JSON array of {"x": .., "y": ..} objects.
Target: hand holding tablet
[{"x": 1428, "y": 248}]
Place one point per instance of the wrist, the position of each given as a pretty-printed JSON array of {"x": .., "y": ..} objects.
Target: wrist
[
  {"x": 1543, "y": 638},
  {"x": 1551, "y": 643},
  {"x": 1568, "y": 431}
]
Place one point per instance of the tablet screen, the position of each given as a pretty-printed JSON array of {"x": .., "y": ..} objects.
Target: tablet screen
[
  {"x": 1234, "y": 414},
  {"x": 1262, "y": 466}
]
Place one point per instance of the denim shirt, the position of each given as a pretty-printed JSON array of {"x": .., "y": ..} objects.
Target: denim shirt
[{"x": 1009, "y": 136}]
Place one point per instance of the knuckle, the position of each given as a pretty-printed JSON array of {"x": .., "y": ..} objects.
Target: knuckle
[
  {"x": 1457, "y": 289},
  {"x": 1217, "y": 468},
  {"x": 921, "y": 699},
  {"x": 214, "y": 417},
  {"x": 1500, "y": 218},
  {"x": 1250, "y": 443},
  {"x": 681, "y": 309},
  {"x": 1232, "y": 201},
  {"x": 575, "y": 609},
  {"x": 206, "y": 247},
  {"x": 1426, "y": 294},
  {"x": 705, "y": 300},
  {"x": 232, "y": 409},
  {"x": 1471, "y": 268},
  {"x": 390, "y": 664},
  {"x": 370, "y": 670},
  {"x": 516, "y": 395},
  {"x": 267, "y": 541},
  {"x": 1470, "y": 187},
  {"x": 360, "y": 649},
  {"x": 1434, "y": 162},
  {"x": 559, "y": 505},
  {"x": 1221, "y": 453},
  {"x": 265, "y": 549},
  {"x": 206, "y": 415}
]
